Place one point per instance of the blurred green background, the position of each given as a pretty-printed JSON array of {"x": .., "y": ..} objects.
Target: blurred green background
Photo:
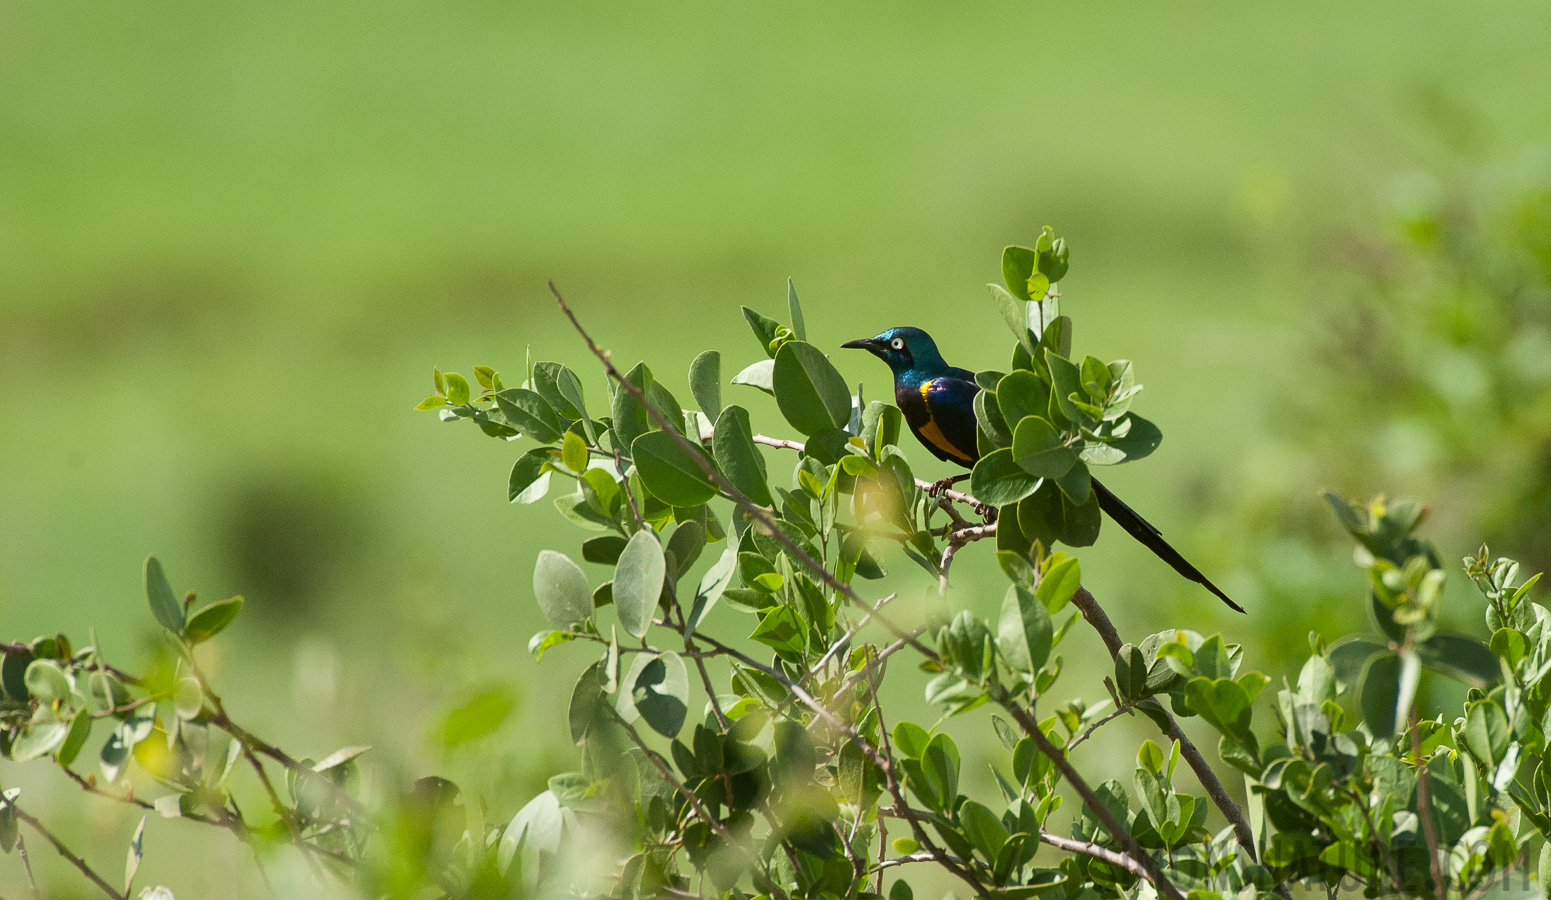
[{"x": 234, "y": 240}]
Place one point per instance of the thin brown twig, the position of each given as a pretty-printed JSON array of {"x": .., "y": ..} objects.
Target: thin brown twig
[
  {"x": 884, "y": 760},
  {"x": 253, "y": 743},
  {"x": 891, "y": 781},
  {"x": 725, "y": 487},
  {"x": 74, "y": 860},
  {"x": 906, "y": 860},
  {"x": 1088, "y": 732},
  {"x": 32, "y": 881},
  {"x": 689, "y": 796},
  {"x": 1088, "y": 848},
  {"x": 281, "y": 811},
  {"x": 1424, "y": 805},
  {"x": 1091, "y": 611},
  {"x": 1114, "y": 826}
]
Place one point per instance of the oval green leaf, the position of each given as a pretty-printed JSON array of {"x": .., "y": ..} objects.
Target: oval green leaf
[
  {"x": 638, "y": 579},
  {"x": 164, "y": 604},
  {"x": 808, "y": 389},
  {"x": 669, "y": 471},
  {"x": 210, "y": 620},
  {"x": 705, "y": 381},
  {"x": 739, "y": 457},
  {"x": 998, "y": 479},
  {"x": 1039, "y": 451},
  {"x": 561, "y": 589}
]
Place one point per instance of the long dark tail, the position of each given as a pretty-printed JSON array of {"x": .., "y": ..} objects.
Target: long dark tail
[{"x": 1152, "y": 539}]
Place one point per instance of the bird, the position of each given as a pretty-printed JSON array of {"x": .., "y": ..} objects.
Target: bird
[{"x": 938, "y": 403}]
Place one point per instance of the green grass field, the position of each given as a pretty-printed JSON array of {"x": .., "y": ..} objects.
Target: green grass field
[{"x": 235, "y": 240}]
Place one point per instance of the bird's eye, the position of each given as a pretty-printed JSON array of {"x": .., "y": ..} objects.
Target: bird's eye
[{"x": 897, "y": 344}]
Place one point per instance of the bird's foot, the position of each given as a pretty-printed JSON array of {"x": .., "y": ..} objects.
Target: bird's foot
[
  {"x": 985, "y": 511},
  {"x": 942, "y": 484}
]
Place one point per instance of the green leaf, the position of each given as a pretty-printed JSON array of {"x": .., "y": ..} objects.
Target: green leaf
[
  {"x": 1460, "y": 656},
  {"x": 669, "y": 471},
  {"x": 434, "y": 401},
  {"x": 712, "y": 585},
  {"x": 586, "y": 703},
  {"x": 1038, "y": 286},
  {"x": 1062, "y": 578},
  {"x": 132, "y": 864},
  {"x": 782, "y": 630},
  {"x": 164, "y": 604},
  {"x": 940, "y": 766},
  {"x": 910, "y": 739},
  {"x": 795, "y": 309},
  {"x": 1015, "y": 313},
  {"x": 212, "y": 619},
  {"x": 604, "y": 549},
  {"x": 536, "y": 829},
  {"x": 75, "y": 739},
  {"x": 881, "y": 425},
  {"x": 630, "y": 419},
  {"x": 541, "y": 642},
  {"x": 1025, "y": 631},
  {"x": 1487, "y": 734},
  {"x": 765, "y": 329},
  {"x": 705, "y": 382},
  {"x": 657, "y": 690},
  {"x": 809, "y": 391},
  {"x": 561, "y": 589},
  {"x": 1348, "y": 657},
  {"x": 739, "y": 457},
  {"x": 1017, "y": 569},
  {"x": 529, "y": 482},
  {"x": 1064, "y": 382},
  {"x": 47, "y": 681},
  {"x": 1380, "y": 692},
  {"x": 983, "y": 829},
  {"x": 1135, "y": 438},
  {"x": 573, "y": 453},
  {"x": 638, "y": 580},
  {"x": 560, "y": 388},
  {"x": 1039, "y": 451},
  {"x": 530, "y": 414},
  {"x": 1018, "y": 263},
  {"x": 683, "y": 548},
  {"x": 998, "y": 480},
  {"x": 758, "y": 375},
  {"x": 1019, "y": 395},
  {"x": 478, "y": 716},
  {"x": 1222, "y": 702},
  {"x": 38, "y": 739},
  {"x": 1076, "y": 484},
  {"x": 457, "y": 389}
]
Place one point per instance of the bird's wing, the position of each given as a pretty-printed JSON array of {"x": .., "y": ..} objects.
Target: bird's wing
[
  {"x": 1151, "y": 538},
  {"x": 950, "y": 425}
]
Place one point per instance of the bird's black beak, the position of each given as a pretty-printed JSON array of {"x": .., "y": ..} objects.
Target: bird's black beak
[{"x": 871, "y": 345}]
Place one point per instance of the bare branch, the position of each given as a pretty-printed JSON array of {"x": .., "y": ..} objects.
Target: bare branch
[
  {"x": 1087, "y": 848},
  {"x": 1094, "y": 614},
  {"x": 1114, "y": 826},
  {"x": 689, "y": 796},
  {"x": 1088, "y": 732},
  {"x": 74, "y": 860},
  {"x": 759, "y": 513}
]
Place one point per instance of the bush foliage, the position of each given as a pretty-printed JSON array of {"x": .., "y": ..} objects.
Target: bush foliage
[{"x": 731, "y": 737}]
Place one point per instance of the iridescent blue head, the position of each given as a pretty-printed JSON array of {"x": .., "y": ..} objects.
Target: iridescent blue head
[{"x": 910, "y": 352}]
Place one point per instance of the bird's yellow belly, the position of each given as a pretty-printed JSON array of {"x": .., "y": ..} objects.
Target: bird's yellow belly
[{"x": 932, "y": 433}]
